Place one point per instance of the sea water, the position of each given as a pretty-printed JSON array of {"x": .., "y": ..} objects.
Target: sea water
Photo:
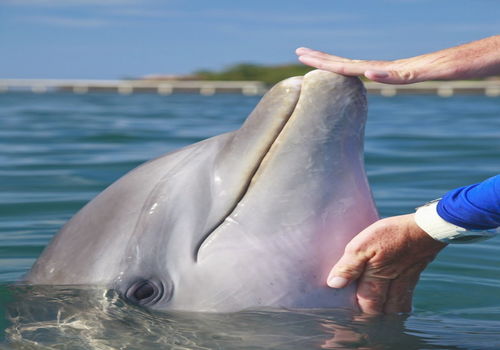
[{"x": 57, "y": 151}]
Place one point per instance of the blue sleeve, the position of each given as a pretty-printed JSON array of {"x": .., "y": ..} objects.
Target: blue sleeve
[{"x": 473, "y": 207}]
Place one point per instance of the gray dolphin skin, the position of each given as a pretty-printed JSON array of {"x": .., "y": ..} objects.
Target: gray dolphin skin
[{"x": 248, "y": 219}]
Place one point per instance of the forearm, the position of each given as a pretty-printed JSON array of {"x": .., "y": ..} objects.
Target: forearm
[
  {"x": 477, "y": 59},
  {"x": 464, "y": 214},
  {"x": 474, "y": 207}
]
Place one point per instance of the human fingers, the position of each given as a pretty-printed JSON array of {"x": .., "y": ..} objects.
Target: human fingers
[
  {"x": 304, "y": 51},
  {"x": 373, "y": 70},
  {"x": 400, "y": 293},
  {"x": 401, "y": 76},
  {"x": 372, "y": 294},
  {"x": 349, "y": 267},
  {"x": 388, "y": 72},
  {"x": 340, "y": 67}
]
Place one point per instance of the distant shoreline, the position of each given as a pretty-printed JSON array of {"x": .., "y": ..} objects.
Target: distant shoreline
[{"x": 267, "y": 74}]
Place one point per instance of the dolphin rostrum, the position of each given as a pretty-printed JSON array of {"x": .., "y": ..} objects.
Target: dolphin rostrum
[{"x": 247, "y": 219}]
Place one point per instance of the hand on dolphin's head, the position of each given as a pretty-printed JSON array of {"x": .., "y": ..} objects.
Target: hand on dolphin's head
[
  {"x": 386, "y": 259},
  {"x": 388, "y": 256},
  {"x": 473, "y": 60}
]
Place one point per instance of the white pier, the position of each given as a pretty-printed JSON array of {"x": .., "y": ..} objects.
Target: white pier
[
  {"x": 166, "y": 87},
  {"x": 441, "y": 88},
  {"x": 126, "y": 87}
]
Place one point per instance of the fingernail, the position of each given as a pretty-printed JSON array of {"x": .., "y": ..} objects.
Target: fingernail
[
  {"x": 377, "y": 73},
  {"x": 337, "y": 282},
  {"x": 302, "y": 58},
  {"x": 303, "y": 49},
  {"x": 306, "y": 58}
]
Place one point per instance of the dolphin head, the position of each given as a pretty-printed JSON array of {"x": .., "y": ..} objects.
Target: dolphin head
[{"x": 251, "y": 218}]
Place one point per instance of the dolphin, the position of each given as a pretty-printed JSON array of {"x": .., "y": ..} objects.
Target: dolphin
[{"x": 248, "y": 219}]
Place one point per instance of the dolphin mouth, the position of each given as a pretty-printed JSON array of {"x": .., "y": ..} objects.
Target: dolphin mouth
[
  {"x": 320, "y": 112},
  {"x": 296, "y": 83}
]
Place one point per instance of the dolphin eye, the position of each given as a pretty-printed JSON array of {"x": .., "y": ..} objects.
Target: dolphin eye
[{"x": 145, "y": 292}]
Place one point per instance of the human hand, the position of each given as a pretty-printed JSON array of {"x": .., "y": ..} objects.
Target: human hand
[
  {"x": 386, "y": 259},
  {"x": 403, "y": 71},
  {"x": 474, "y": 60}
]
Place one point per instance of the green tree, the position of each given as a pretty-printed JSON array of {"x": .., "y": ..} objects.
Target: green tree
[{"x": 248, "y": 71}]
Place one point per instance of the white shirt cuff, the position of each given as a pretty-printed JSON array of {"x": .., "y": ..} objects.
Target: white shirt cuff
[{"x": 428, "y": 219}]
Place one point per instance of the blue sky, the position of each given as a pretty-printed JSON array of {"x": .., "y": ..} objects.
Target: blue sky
[{"x": 123, "y": 38}]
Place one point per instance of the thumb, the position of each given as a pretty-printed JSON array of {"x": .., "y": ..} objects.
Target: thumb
[
  {"x": 346, "y": 270},
  {"x": 391, "y": 76}
]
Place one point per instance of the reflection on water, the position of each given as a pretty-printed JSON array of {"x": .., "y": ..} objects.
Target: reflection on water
[
  {"x": 73, "y": 318},
  {"x": 64, "y": 318}
]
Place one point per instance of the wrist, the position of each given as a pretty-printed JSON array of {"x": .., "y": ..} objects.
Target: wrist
[{"x": 428, "y": 219}]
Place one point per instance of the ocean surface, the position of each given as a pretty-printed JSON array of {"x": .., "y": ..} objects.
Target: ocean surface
[{"x": 57, "y": 151}]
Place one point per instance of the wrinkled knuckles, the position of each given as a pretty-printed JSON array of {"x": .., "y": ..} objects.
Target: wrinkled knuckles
[
  {"x": 349, "y": 272},
  {"x": 356, "y": 251},
  {"x": 385, "y": 275},
  {"x": 408, "y": 76}
]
